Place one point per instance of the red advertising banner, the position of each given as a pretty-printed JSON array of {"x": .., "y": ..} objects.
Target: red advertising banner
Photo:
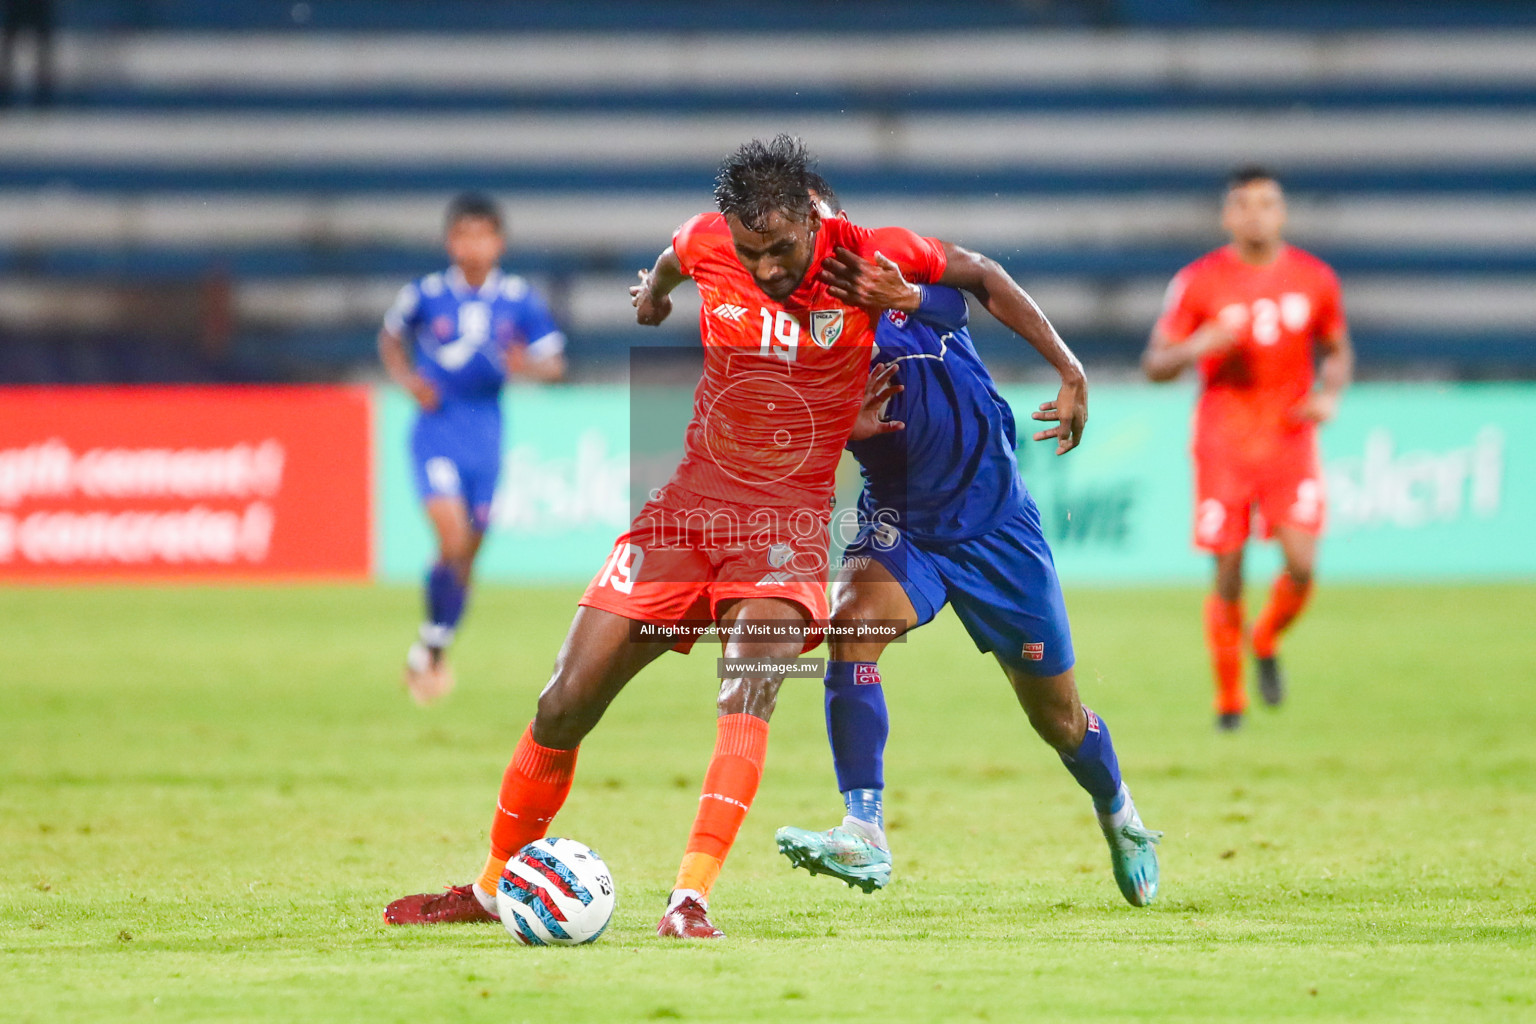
[{"x": 184, "y": 482}]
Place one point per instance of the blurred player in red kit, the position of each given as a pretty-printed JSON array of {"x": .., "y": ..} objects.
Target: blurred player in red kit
[
  {"x": 1251, "y": 316},
  {"x": 739, "y": 535}
]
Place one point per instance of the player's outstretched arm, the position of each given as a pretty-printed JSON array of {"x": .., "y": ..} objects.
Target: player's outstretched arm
[
  {"x": 529, "y": 363},
  {"x": 651, "y": 297},
  {"x": 1333, "y": 375},
  {"x": 1013, "y": 307},
  {"x": 1164, "y": 358},
  {"x": 397, "y": 363}
]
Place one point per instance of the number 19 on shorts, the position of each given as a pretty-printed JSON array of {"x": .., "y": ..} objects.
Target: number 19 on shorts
[{"x": 622, "y": 568}]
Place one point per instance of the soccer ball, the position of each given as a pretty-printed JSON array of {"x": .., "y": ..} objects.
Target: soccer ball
[{"x": 555, "y": 892}]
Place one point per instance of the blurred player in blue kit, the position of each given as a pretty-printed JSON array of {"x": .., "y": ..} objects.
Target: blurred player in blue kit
[
  {"x": 451, "y": 339},
  {"x": 945, "y": 518}
]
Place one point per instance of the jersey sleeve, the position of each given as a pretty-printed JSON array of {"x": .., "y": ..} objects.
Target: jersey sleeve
[
  {"x": 942, "y": 308},
  {"x": 1181, "y": 313},
  {"x": 921, "y": 259},
  {"x": 538, "y": 326},
  {"x": 1330, "y": 306},
  {"x": 689, "y": 241},
  {"x": 405, "y": 314}
]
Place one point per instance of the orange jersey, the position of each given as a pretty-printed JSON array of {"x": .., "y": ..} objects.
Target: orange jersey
[
  {"x": 1279, "y": 312},
  {"x": 782, "y": 382}
]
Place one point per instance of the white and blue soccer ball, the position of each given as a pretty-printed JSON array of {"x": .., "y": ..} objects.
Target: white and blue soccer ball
[{"x": 555, "y": 892}]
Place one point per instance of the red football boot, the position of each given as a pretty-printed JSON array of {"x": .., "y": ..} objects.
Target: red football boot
[
  {"x": 456, "y": 905},
  {"x": 688, "y": 920}
]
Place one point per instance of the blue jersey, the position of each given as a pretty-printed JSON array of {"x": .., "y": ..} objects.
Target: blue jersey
[
  {"x": 951, "y": 474},
  {"x": 460, "y": 335},
  {"x": 944, "y": 509}
]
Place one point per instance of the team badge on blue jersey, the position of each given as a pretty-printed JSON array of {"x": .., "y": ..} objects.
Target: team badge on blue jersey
[{"x": 826, "y": 326}]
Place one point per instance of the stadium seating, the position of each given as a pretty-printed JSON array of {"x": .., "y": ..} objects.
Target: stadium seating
[{"x": 276, "y": 171}]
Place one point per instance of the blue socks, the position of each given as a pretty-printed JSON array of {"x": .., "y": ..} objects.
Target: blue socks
[
  {"x": 865, "y": 805},
  {"x": 1095, "y": 766},
  {"x": 445, "y": 606},
  {"x": 857, "y": 728}
]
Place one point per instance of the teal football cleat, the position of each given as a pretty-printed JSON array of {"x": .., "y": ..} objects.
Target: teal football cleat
[
  {"x": 838, "y": 852},
  {"x": 1132, "y": 853}
]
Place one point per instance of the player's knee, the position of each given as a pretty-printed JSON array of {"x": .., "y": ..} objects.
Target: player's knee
[
  {"x": 1059, "y": 723},
  {"x": 461, "y": 568},
  {"x": 1059, "y": 729},
  {"x": 847, "y": 640},
  {"x": 564, "y": 718},
  {"x": 749, "y": 695},
  {"x": 1300, "y": 573},
  {"x": 458, "y": 553}
]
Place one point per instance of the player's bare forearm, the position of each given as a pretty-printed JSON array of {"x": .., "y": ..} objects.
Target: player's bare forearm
[
  {"x": 1338, "y": 367},
  {"x": 1164, "y": 358},
  {"x": 392, "y": 355},
  {"x": 397, "y": 363},
  {"x": 1014, "y": 309},
  {"x": 1163, "y": 361},
  {"x": 651, "y": 296},
  {"x": 1011, "y": 305},
  {"x": 1334, "y": 375},
  {"x": 546, "y": 369}
]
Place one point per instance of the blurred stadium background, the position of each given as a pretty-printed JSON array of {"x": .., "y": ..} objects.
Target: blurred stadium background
[{"x": 231, "y": 193}]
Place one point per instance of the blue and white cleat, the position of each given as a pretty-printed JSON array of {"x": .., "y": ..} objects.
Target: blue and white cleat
[
  {"x": 840, "y": 852},
  {"x": 1132, "y": 852}
]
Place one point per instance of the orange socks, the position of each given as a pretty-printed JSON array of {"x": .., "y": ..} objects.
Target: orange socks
[
  {"x": 741, "y": 745},
  {"x": 1286, "y": 601},
  {"x": 1224, "y": 637},
  {"x": 533, "y": 789}
]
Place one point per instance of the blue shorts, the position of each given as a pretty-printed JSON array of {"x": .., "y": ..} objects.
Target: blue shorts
[
  {"x": 449, "y": 461},
  {"x": 1003, "y": 585}
]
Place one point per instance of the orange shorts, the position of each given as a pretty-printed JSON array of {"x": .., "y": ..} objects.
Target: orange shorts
[
  {"x": 686, "y": 555},
  {"x": 1286, "y": 489}
]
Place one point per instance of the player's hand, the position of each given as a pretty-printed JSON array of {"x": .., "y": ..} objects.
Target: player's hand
[
  {"x": 425, "y": 394},
  {"x": 1213, "y": 338},
  {"x": 650, "y": 310},
  {"x": 876, "y": 284},
  {"x": 878, "y": 390},
  {"x": 1069, "y": 412},
  {"x": 517, "y": 358},
  {"x": 1318, "y": 407}
]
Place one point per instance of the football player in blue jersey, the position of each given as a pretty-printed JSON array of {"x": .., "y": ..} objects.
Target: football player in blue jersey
[
  {"x": 451, "y": 339},
  {"x": 945, "y": 518}
]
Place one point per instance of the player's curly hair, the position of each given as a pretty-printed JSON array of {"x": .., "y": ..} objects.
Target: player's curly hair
[{"x": 763, "y": 177}]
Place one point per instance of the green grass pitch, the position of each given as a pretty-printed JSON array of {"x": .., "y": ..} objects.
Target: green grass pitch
[{"x": 207, "y": 796}]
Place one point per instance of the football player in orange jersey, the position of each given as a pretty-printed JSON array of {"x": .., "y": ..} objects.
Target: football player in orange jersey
[
  {"x": 1252, "y": 317},
  {"x": 738, "y": 536}
]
